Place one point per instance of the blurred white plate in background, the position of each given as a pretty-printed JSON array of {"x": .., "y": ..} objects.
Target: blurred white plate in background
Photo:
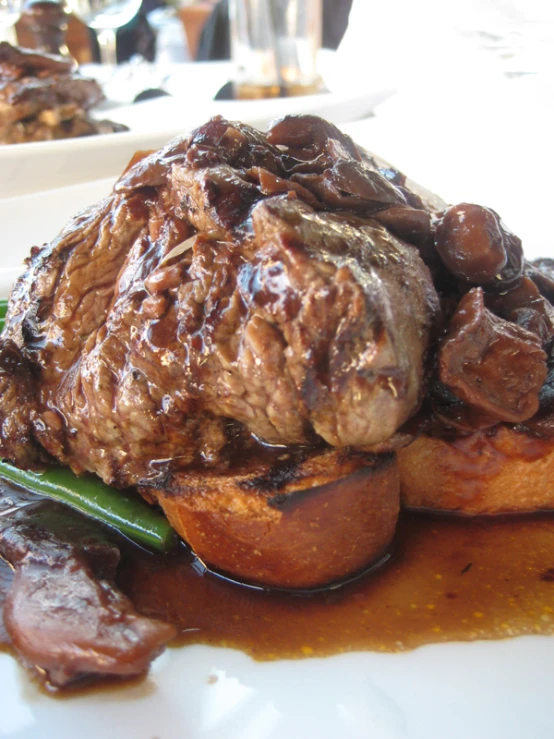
[
  {"x": 26, "y": 168},
  {"x": 34, "y": 167}
]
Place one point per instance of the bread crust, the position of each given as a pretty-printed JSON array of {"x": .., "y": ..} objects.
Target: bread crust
[
  {"x": 502, "y": 470},
  {"x": 330, "y": 517}
]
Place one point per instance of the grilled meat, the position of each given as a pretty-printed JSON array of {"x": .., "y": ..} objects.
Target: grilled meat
[
  {"x": 239, "y": 291},
  {"x": 229, "y": 286}
]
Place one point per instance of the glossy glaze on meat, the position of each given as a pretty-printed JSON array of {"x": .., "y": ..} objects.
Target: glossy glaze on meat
[
  {"x": 238, "y": 283},
  {"x": 239, "y": 288},
  {"x": 208, "y": 293}
]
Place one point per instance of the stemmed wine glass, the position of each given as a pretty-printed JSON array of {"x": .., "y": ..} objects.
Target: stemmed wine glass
[
  {"x": 104, "y": 17},
  {"x": 10, "y": 10}
]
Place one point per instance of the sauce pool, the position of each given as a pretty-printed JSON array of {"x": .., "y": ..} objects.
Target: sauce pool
[{"x": 449, "y": 579}]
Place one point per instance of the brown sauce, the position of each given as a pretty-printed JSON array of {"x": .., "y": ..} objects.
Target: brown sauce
[{"x": 449, "y": 579}]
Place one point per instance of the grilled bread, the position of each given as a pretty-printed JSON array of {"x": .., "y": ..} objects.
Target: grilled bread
[
  {"x": 293, "y": 523},
  {"x": 500, "y": 470}
]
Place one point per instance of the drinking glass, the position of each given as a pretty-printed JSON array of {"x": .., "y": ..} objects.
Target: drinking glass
[
  {"x": 274, "y": 45},
  {"x": 105, "y": 17},
  {"x": 10, "y": 10}
]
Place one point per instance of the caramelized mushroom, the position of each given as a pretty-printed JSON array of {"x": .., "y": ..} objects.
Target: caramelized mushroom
[{"x": 477, "y": 247}]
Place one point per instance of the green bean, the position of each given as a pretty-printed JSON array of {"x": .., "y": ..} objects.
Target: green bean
[{"x": 89, "y": 495}]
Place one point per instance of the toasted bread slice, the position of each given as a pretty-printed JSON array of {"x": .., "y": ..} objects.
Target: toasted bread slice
[
  {"x": 295, "y": 523},
  {"x": 496, "y": 471}
]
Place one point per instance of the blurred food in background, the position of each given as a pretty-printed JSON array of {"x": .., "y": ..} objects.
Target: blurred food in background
[{"x": 43, "y": 97}]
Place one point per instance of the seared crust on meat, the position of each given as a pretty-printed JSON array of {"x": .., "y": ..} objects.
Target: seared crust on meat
[
  {"x": 294, "y": 523},
  {"x": 194, "y": 295},
  {"x": 354, "y": 298},
  {"x": 499, "y": 470},
  {"x": 18, "y": 407},
  {"x": 241, "y": 290}
]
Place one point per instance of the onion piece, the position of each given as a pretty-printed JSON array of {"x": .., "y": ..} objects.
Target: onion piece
[{"x": 179, "y": 249}]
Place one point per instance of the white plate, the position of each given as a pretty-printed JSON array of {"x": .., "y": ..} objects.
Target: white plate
[
  {"x": 481, "y": 690},
  {"x": 335, "y": 107},
  {"x": 493, "y": 148},
  {"x": 27, "y": 168}
]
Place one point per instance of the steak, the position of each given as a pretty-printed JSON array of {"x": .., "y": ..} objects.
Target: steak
[{"x": 234, "y": 285}]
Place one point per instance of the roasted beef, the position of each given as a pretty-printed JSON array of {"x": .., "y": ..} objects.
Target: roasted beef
[
  {"x": 234, "y": 284},
  {"x": 246, "y": 329}
]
